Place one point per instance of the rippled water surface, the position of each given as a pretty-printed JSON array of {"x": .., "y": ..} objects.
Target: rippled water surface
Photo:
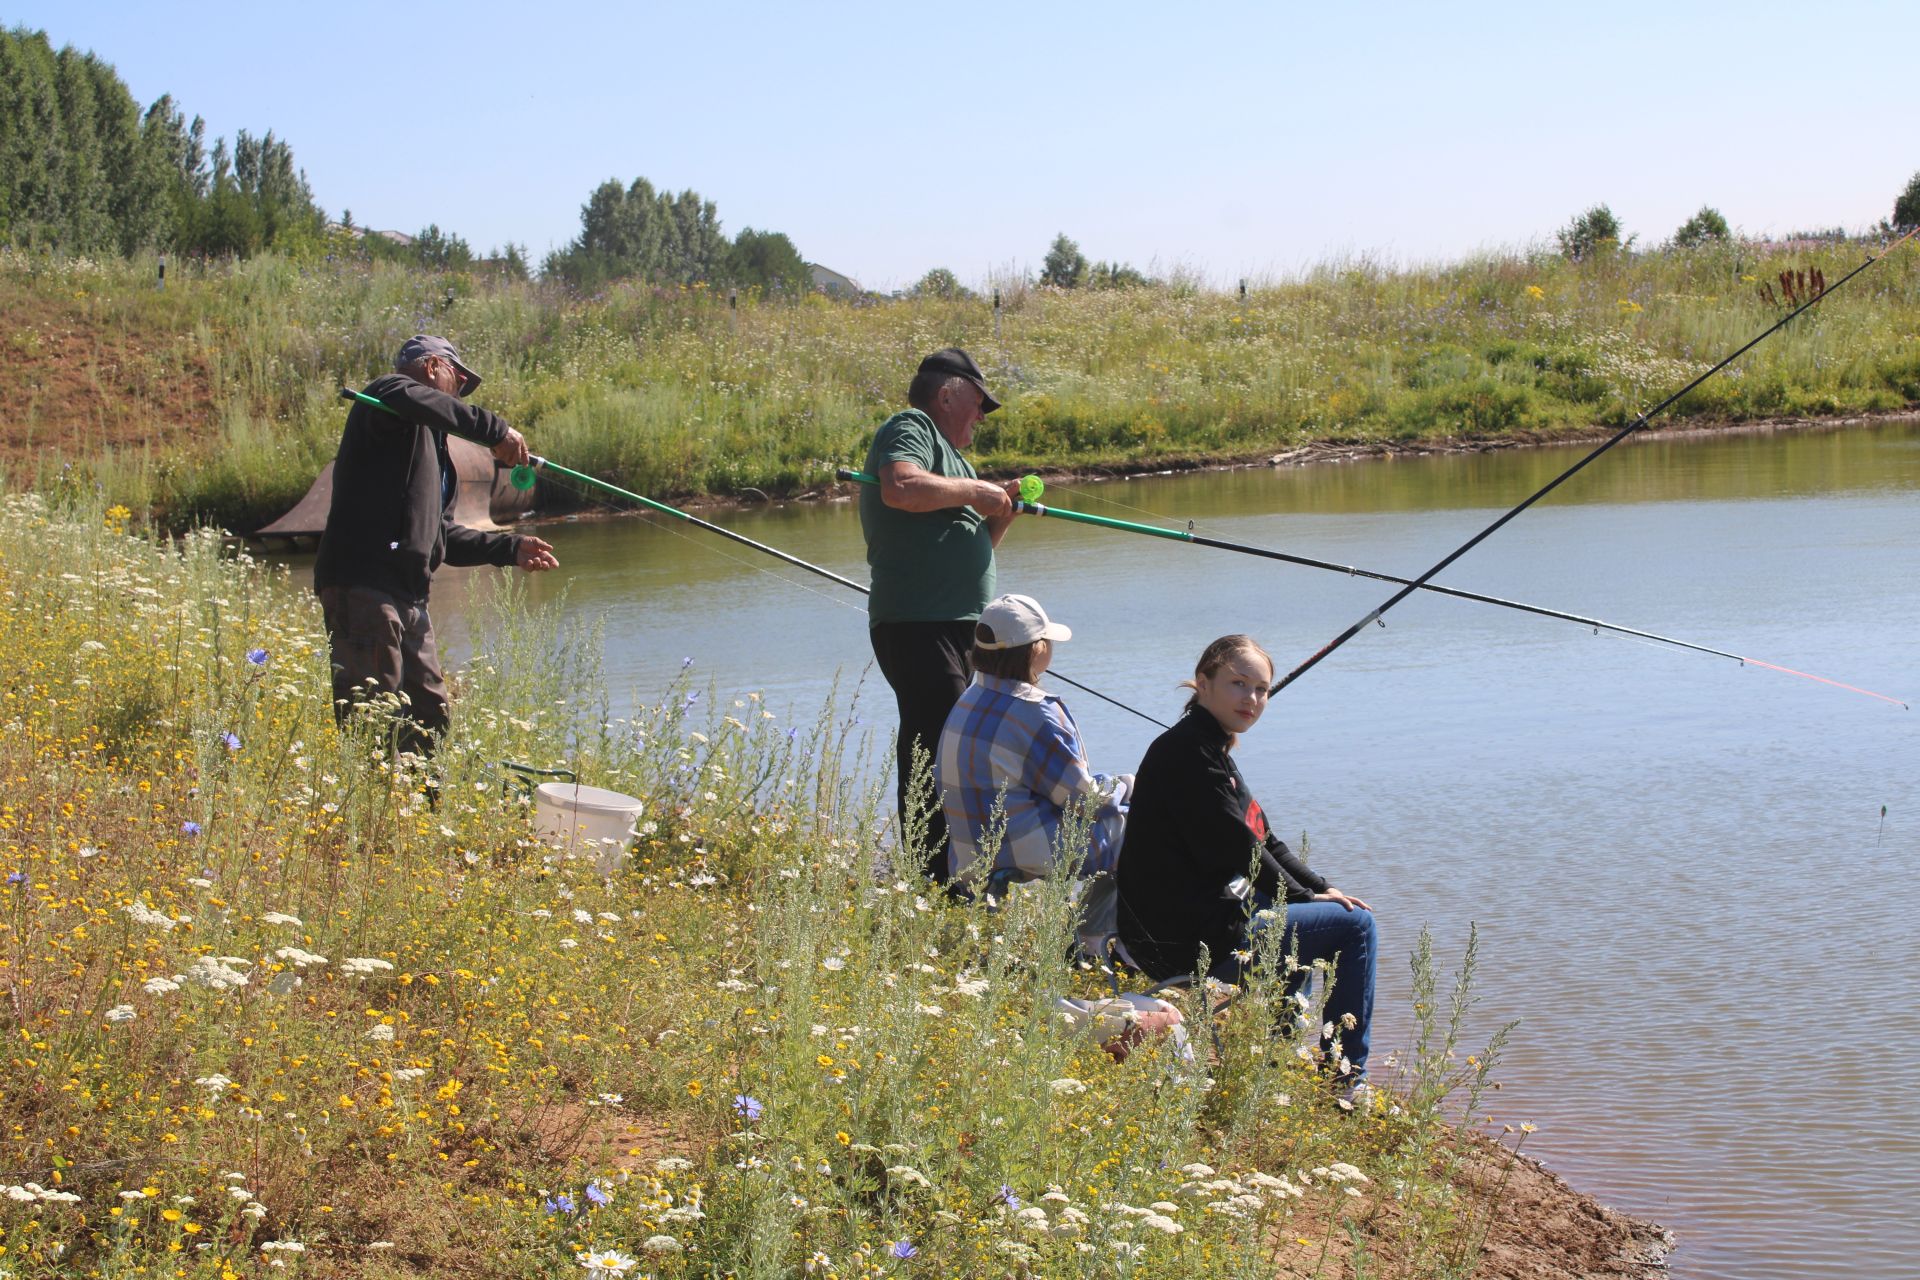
[{"x": 1684, "y": 885}]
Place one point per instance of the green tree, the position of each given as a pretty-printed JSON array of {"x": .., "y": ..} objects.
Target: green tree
[
  {"x": 441, "y": 250},
  {"x": 1595, "y": 232},
  {"x": 767, "y": 260},
  {"x": 510, "y": 261},
  {"x": 1700, "y": 228},
  {"x": 1065, "y": 266},
  {"x": 29, "y": 122},
  {"x": 940, "y": 283},
  {"x": 1116, "y": 275},
  {"x": 1906, "y": 208},
  {"x": 637, "y": 232}
]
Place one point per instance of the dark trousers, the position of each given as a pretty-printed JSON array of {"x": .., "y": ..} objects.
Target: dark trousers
[
  {"x": 384, "y": 644},
  {"x": 926, "y": 663}
]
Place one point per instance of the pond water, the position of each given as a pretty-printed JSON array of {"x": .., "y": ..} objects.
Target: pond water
[{"x": 1686, "y": 889}]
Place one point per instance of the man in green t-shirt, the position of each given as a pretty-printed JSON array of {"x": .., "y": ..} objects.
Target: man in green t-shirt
[{"x": 931, "y": 526}]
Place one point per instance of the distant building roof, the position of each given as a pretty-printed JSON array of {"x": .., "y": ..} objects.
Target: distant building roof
[
  {"x": 398, "y": 237},
  {"x": 830, "y": 281}
]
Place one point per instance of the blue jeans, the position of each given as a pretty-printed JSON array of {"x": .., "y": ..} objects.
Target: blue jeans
[{"x": 1349, "y": 941}]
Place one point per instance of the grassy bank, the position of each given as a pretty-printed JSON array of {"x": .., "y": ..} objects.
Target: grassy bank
[
  {"x": 215, "y": 398},
  {"x": 276, "y": 1006}
]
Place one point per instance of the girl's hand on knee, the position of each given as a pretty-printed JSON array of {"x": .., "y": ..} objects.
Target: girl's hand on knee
[{"x": 1346, "y": 900}]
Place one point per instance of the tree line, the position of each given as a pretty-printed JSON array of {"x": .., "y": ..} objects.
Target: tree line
[
  {"x": 1598, "y": 231},
  {"x": 83, "y": 169},
  {"x": 635, "y": 232}
]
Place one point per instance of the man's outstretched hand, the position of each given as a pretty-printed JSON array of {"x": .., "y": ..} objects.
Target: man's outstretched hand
[{"x": 533, "y": 555}]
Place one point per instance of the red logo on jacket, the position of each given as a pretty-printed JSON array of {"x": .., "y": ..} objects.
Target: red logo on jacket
[{"x": 1256, "y": 819}]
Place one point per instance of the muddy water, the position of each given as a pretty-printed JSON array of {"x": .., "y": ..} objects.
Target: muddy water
[{"x": 1686, "y": 891}]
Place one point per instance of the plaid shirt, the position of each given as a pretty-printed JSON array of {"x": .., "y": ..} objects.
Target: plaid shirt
[{"x": 1010, "y": 734}]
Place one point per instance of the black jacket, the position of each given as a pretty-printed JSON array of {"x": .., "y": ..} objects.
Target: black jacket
[
  {"x": 1193, "y": 828},
  {"x": 389, "y": 527}
]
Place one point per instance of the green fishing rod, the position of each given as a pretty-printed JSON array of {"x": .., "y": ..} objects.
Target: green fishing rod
[
  {"x": 522, "y": 477},
  {"x": 1031, "y": 488}
]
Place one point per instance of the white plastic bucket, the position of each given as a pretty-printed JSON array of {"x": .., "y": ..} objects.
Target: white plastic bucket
[{"x": 586, "y": 820}]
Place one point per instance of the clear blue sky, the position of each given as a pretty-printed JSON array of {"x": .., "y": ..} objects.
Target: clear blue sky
[{"x": 1230, "y": 138}]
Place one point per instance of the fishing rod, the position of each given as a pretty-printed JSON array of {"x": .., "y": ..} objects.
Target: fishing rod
[
  {"x": 522, "y": 477},
  {"x": 1032, "y": 485},
  {"x": 1568, "y": 474}
]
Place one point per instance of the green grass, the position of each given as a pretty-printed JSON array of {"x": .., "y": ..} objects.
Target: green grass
[
  {"x": 674, "y": 392},
  {"x": 445, "y": 1026}
]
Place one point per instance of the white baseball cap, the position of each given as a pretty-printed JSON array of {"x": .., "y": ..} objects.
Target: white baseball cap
[{"x": 1017, "y": 620}]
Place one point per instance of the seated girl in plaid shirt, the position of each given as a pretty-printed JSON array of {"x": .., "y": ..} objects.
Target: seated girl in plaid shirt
[{"x": 1011, "y": 752}]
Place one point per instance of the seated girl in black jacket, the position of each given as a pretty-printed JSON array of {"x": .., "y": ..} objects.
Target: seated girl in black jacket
[{"x": 1200, "y": 866}]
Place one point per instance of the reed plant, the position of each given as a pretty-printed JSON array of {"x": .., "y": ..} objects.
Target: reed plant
[
  {"x": 681, "y": 391},
  {"x": 281, "y": 1003}
]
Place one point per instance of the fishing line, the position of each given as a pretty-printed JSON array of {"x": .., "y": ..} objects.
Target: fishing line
[
  {"x": 1569, "y": 473},
  {"x": 651, "y": 505},
  {"x": 522, "y": 479},
  {"x": 726, "y": 555},
  {"x": 1032, "y": 485},
  {"x": 1115, "y": 502}
]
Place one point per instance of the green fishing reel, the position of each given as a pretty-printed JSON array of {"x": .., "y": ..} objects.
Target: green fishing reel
[
  {"x": 1031, "y": 487},
  {"x": 521, "y": 477}
]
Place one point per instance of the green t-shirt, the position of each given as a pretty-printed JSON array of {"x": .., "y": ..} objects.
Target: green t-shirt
[{"x": 929, "y": 566}]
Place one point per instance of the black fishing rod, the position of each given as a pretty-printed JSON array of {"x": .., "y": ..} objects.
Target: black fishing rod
[
  {"x": 1639, "y": 422},
  {"x": 522, "y": 478},
  {"x": 1031, "y": 485}
]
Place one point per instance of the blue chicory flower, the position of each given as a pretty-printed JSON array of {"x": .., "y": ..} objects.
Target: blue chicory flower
[
  {"x": 595, "y": 1194},
  {"x": 558, "y": 1204},
  {"x": 903, "y": 1249},
  {"x": 231, "y": 739},
  {"x": 189, "y": 828},
  {"x": 17, "y": 877},
  {"x": 258, "y": 657},
  {"x": 749, "y": 1108},
  {"x": 1006, "y": 1194}
]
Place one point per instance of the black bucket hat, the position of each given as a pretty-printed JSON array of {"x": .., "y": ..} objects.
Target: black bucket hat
[{"x": 958, "y": 363}]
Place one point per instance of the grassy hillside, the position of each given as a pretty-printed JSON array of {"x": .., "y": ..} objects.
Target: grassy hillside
[{"x": 215, "y": 398}]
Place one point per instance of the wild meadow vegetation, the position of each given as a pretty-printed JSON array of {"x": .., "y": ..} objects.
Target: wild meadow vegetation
[
  {"x": 278, "y": 1004},
  {"x": 688, "y": 390}
]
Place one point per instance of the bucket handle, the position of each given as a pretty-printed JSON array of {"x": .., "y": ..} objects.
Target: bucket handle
[{"x": 515, "y": 774}]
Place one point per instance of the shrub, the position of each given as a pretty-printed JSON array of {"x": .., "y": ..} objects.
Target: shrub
[
  {"x": 1595, "y": 232},
  {"x": 1702, "y": 227}
]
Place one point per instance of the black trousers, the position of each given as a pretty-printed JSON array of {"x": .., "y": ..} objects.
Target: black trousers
[
  {"x": 384, "y": 644},
  {"x": 927, "y": 665}
]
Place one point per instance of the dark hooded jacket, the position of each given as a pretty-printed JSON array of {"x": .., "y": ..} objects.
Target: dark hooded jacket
[
  {"x": 1193, "y": 828},
  {"x": 390, "y": 525}
]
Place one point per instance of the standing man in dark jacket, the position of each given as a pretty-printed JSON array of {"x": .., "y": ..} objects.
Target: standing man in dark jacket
[
  {"x": 390, "y": 527},
  {"x": 931, "y": 525}
]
